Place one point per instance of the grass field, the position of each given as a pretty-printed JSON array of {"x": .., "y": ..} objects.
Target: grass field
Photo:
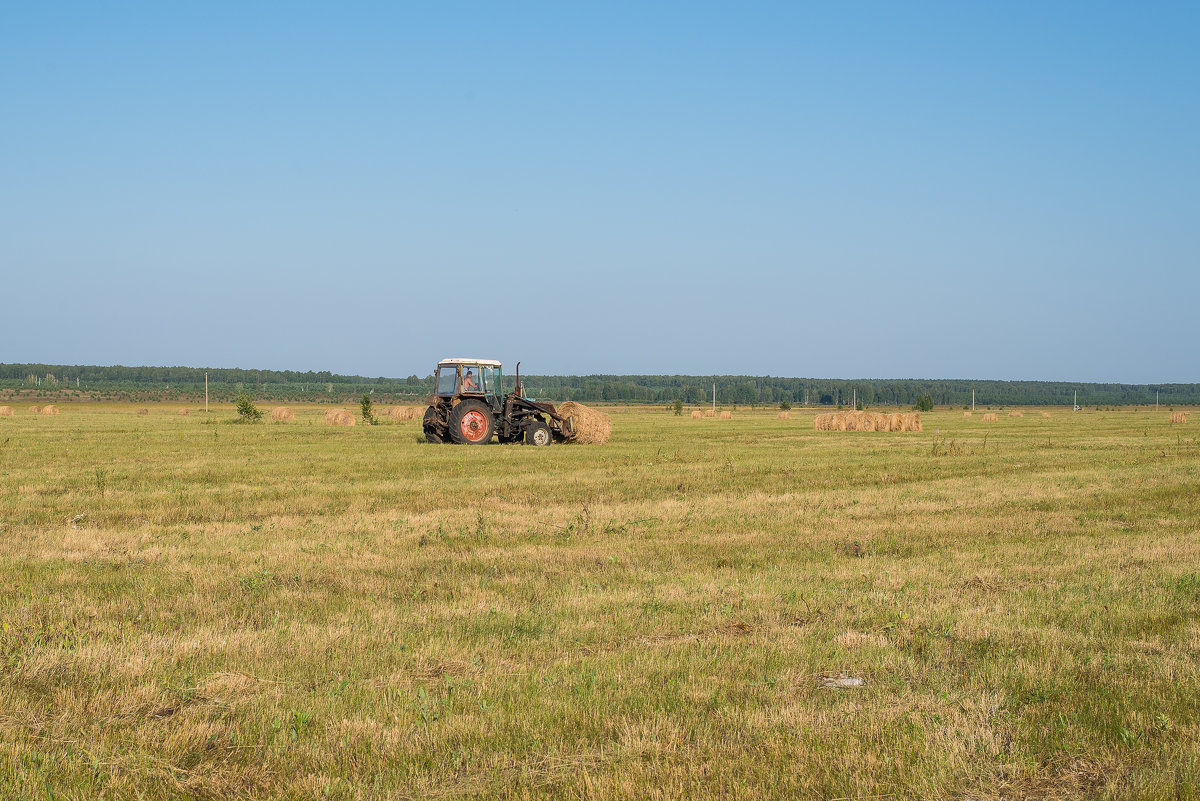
[{"x": 192, "y": 608}]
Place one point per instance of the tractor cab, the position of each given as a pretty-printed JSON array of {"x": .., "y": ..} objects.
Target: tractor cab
[
  {"x": 469, "y": 407},
  {"x": 477, "y": 378}
]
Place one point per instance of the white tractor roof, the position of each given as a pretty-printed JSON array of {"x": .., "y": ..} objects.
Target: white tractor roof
[{"x": 488, "y": 362}]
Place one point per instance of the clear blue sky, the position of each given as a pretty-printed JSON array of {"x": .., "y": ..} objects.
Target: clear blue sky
[{"x": 1003, "y": 190}]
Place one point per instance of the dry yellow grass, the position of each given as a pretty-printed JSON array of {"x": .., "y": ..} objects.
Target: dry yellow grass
[
  {"x": 339, "y": 417},
  {"x": 275, "y": 612},
  {"x": 990, "y": 417},
  {"x": 50, "y": 410},
  {"x": 6, "y": 411},
  {"x": 282, "y": 414},
  {"x": 592, "y": 427}
]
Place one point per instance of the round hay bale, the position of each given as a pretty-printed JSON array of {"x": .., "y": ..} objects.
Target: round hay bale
[
  {"x": 966, "y": 414},
  {"x": 592, "y": 427},
  {"x": 1016, "y": 414},
  {"x": 1045, "y": 414},
  {"x": 727, "y": 415},
  {"x": 784, "y": 415},
  {"x": 697, "y": 414},
  {"x": 399, "y": 413},
  {"x": 282, "y": 414},
  {"x": 35, "y": 409},
  {"x": 6, "y": 411},
  {"x": 183, "y": 412},
  {"x": 710, "y": 412},
  {"x": 991, "y": 417},
  {"x": 143, "y": 411},
  {"x": 51, "y": 409},
  {"x": 339, "y": 417}
]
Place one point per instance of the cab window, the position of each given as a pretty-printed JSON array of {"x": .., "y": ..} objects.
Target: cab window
[
  {"x": 470, "y": 379},
  {"x": 489, "y": 380},
  {"x": 447, "y": 380}
]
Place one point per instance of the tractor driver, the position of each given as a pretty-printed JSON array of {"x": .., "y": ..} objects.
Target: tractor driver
[{"x": 469, "y": 382}]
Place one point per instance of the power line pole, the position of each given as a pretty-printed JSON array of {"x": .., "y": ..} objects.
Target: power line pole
[
  {"x": 714, "y": 396},
  {"x": 206, "y": 392},
  {"x": 972, "y": 398}
]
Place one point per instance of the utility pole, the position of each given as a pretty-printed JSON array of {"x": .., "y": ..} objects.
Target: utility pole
[
  {"x": 972, "y": 398},
  {"x": 714, "y": 396},
  {"x": 206, "y": 392},
  {"x": 1156, "y": 400},
  {"x": 854, "y": 403}
]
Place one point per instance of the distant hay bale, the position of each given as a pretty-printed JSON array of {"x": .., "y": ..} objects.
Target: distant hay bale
[
  {"x": 1045, "y": 414},
  {"x": 785, "y": 415},
  {"x": 51, "y": 409},
  {"x": 398, "y": 413},
  {"x": 867, "y": 421},
  {"x": 1016, "y": 414},
  {"x": 966, "y": 414},
  {"x": 143, "y": 411},
  {"x": 710, "y": 412},
  {"x": 339, "y": 417},
  {"x": 1179, "y": 417},
  {"x": 6, "y": 411},
  {"x": 184, "y": 412},
  {"x": 726, "y": 415},
  {"x": 991, "y": 417},
  {"x": 697, "y": 414},
  {"x": 35, "y": 409},
  {"x": 282, "y": 414},
  {"x": 592, "y": 427}
]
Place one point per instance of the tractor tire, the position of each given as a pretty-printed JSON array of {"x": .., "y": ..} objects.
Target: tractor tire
[
  {"x": 429, "y": 423},
  {"x": 471, "y": 423},
  {"x": 538, "y": 433}
]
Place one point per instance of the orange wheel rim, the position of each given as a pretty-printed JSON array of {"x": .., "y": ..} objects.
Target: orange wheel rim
[{"x": 474, "y": 426}]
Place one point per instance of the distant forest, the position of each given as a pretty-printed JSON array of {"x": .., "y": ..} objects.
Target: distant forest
[{"x": 187, "y": 383}]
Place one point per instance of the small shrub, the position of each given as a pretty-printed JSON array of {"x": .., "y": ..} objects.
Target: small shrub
[
  {"x": 368, "y": 410},
  {"x": 678, "y": 407},
  {"x": 247, "y": 411},
  {"x": 784, "y": 406}
]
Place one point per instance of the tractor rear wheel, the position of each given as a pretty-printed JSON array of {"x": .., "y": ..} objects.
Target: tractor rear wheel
[
  {"x": 538, "y": 433},
  {"x": 429, "y": 423},
  {"x": 471, "y": 423}
]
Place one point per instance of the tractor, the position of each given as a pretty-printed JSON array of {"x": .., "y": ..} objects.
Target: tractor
[{"x": 468, "y": 407}]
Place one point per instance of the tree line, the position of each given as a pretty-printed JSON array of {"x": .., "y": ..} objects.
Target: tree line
[{"x": 226, "y": 383}]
